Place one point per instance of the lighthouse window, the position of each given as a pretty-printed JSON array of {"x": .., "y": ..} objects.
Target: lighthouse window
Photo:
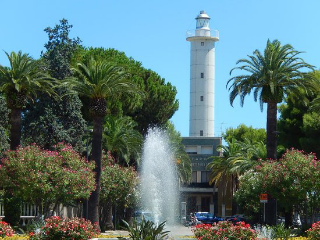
[
  {"x": 202, "y": 75},
  {"x": 201, "y": 132},
  {"x": 201, "y": 98},
  {"x": 202, "y": 43}
]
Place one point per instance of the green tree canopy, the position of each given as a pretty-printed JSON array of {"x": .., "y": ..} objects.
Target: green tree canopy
[
  {"x": 247, "y": 196},
  {"x": 243, "y": 132},
  {"x": 49, "y": 120},
  {"x": 298, "y": 123},
  {"x": 157, "y": 105},
  {"x": 182, "y": 158},
  {"x": 122, "y": 140},
  {"x": 59, "y": 50}
]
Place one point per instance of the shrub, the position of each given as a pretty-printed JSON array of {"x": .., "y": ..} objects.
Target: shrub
[
  {"x": 146, "y": 230},
  {"x": 224, "y": 230},
  {"x": 314, "y": 231},
  {"x": 43, "y": 177},
  {"x": 5, "y": 229},
  {"x": 68, "y": 229},
  {"x": 280, "y": 231}
]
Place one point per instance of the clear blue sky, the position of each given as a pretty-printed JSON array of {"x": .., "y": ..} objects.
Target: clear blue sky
[{"x": 153, "y": 32}]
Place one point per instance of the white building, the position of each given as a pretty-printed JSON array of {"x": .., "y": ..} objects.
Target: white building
[{"x": 202, "y": 77}]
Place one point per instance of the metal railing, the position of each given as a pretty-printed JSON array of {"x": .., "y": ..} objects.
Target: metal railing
[
  {"x": 28, "y": 212},
  {"x": 203, "y": 33}
]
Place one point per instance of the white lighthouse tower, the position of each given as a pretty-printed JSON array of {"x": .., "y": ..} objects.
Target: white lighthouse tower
[{"x": 202, "y": 77}]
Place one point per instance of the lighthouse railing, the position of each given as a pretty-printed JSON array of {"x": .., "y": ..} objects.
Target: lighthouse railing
[{"x": 203, "y": 33}]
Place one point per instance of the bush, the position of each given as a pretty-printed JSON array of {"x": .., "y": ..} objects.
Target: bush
[
  {"x": 68, "y": 229},
  {"x": 43, "y": 177},
  {"x": 280, "y": 231},
  {"x": 314, "y": 231},
  {"x": 5, "y": 229},
  {"x": 224, "y": 230}
]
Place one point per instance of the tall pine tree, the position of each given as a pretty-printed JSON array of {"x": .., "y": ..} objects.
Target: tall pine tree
[{"x": 50, "y": 120}]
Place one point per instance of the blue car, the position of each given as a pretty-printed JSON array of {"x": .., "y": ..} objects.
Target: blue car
[{"x": 207, "y": 218}]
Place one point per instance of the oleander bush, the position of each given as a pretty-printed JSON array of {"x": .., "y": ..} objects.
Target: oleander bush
[
  {"x": 224, "y": 230},
  {"x": 314, "y": 231},
  {"x": 68, "y": 229},
  {"x": 5, "y": 229},
  {"x": 46, "y": 178}
]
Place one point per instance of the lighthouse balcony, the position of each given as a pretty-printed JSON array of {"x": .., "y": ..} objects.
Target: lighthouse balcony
[{"x": 202, "y": 34}]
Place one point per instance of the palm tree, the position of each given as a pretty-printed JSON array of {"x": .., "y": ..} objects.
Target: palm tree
[
  {"x": 124, "y": 144},
  {"x": 247, "y": 157},
  {"x": 182, "y": 158},
  {"x": 315, "y": 104},
  {"x": 122, "y": 140},
  {"x": 98, "y": 81},
  {"x": 221, "y": 166},
  {"x": 237, "y": 158},
  {"x": 271, "y": 76},
  {"x": 20, "y": 81}
]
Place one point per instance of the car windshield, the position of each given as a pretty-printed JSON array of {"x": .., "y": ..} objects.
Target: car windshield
[{"x": 204, "y": 214}]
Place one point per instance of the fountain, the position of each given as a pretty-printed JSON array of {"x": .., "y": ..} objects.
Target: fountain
[{"x": 159, "y": 190}]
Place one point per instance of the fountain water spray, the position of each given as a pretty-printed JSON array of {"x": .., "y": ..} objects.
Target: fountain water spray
[{"x": 159, "y": 189}]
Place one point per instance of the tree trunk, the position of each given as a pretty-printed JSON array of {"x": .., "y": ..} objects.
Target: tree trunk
[
  {"x": 12, "y": 204},
  {"x": 272, "y": 130},
  {"x": 128, "y": 215},
  {"x": 109, "y": 220},
  {"x": 288, "y": 218},
  {"x": 15, "y": 130},
  {"x": 93, "y": 205}
]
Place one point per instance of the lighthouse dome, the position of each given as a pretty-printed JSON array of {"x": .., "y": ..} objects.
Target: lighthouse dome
[{"x": 202, "y": 20}]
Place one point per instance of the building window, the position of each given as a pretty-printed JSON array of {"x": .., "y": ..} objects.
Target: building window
[
  {"x": 205, "y": 204},
  {"x": 201, "y": 132},
  {"x": 203, "y": 177},
  {"x": 201, "y": 98},
  {"x": 202, "y": 43},
  {"x": 202, "y": 75},
  {"x": 194, "y": 176}
]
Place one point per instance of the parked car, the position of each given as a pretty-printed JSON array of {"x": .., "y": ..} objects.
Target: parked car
[
  {"x": 206, "y": 217},
  {"x": 236, "y": 219}
]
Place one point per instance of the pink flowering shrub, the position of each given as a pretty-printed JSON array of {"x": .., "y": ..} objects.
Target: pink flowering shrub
[
  {"x": 5, "y": 229},
  {"x": 314, "y": 231},
  {"x": 224, "y": 230},
  {"x": 45, "y": 177},
  {"x": 68, "y": 229},
  {"x": 118, "y": 184}
]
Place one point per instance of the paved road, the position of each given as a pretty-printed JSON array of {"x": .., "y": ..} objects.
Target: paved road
[{"x": 177, "y": 232}]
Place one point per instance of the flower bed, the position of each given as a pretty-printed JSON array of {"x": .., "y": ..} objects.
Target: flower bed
[
  {"x": 5, "y": 229},
  {"x": 224, "y": 230},
  {"x": 314, "y": 231}
]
